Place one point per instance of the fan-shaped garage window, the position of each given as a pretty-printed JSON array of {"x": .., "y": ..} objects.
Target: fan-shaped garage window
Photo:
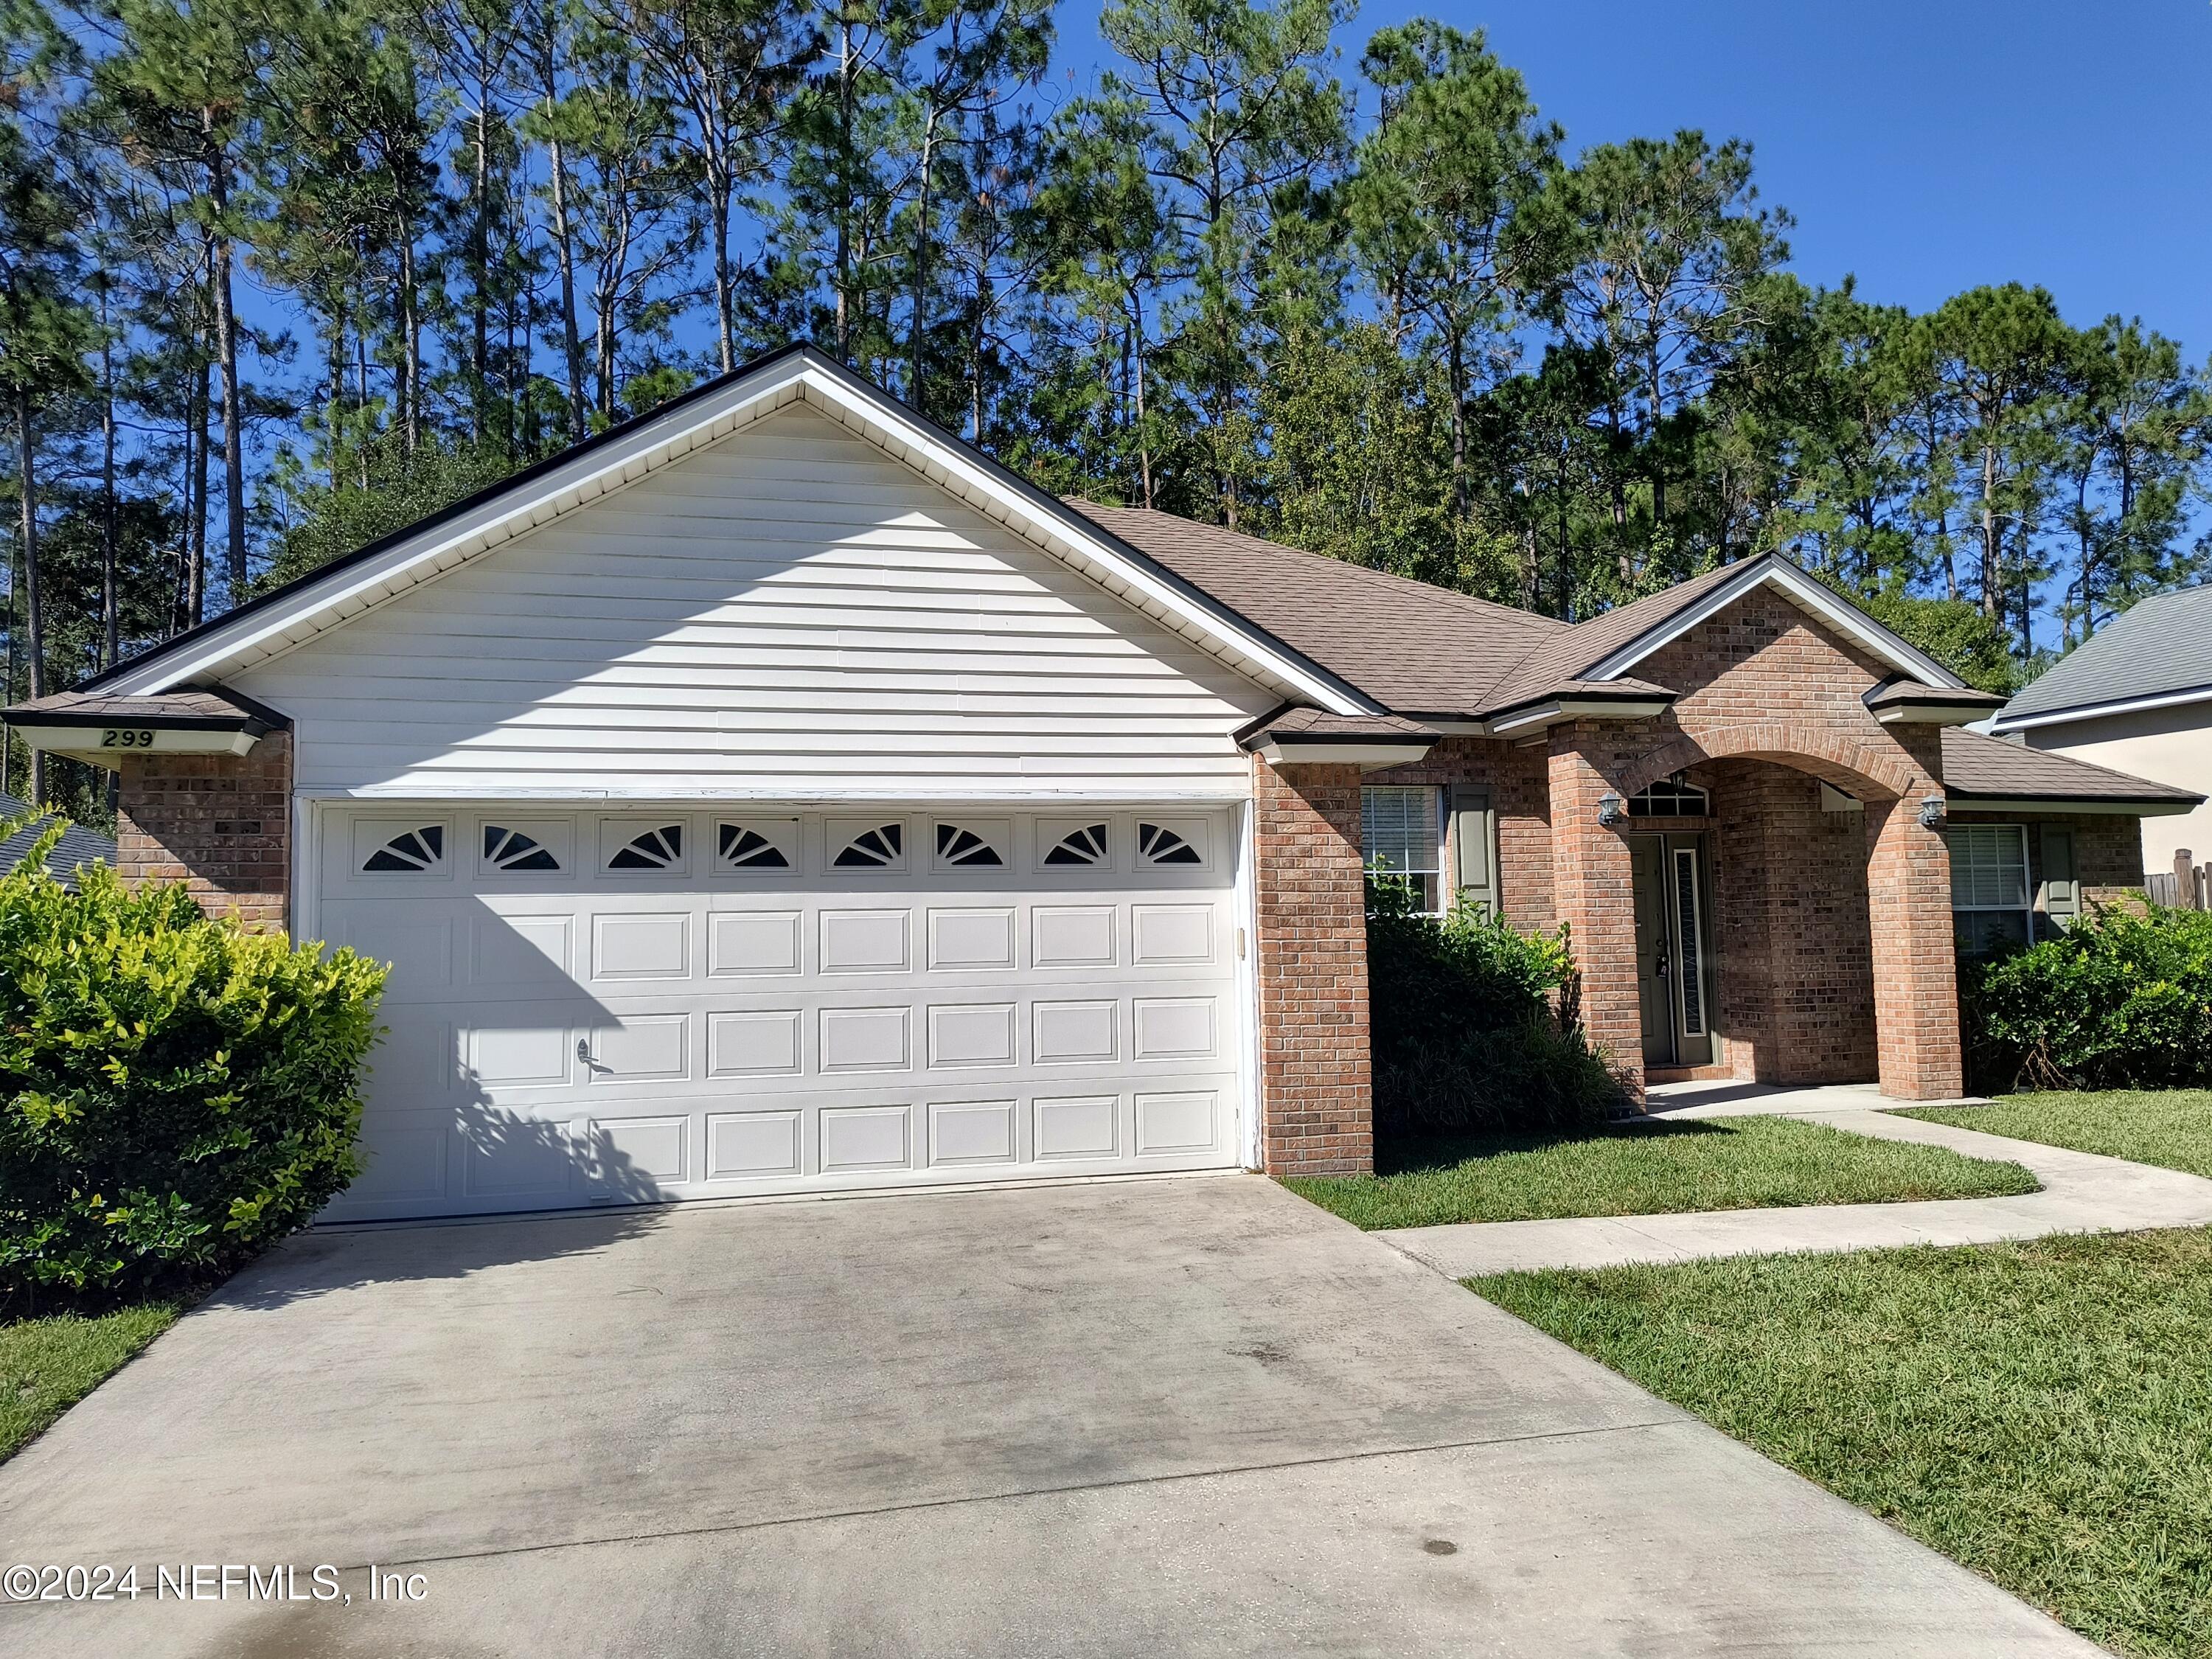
[
  {"x": 1157, "y": 844},
  {"x": 957, "y": 846},
  {"x": 409, "y": 852},
  {"x": 651, "y": 849},
  {"x": 743, "y": 848},
  {"x": 882, "y": 847},
  {"x": 510, "y": 851},
  {"x": 1078, "y": 847}
]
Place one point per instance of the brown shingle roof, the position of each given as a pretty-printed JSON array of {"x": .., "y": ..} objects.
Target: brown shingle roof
[
  {"x": 220, "y": 710},
  {"x": 1978, "y": 765},
  {"x": 1411, "y": 645},
  {"x": 1560, "y": 660}
]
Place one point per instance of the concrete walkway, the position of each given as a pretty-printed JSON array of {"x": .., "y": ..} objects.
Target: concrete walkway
[{"x": 2082, "y": 1193}]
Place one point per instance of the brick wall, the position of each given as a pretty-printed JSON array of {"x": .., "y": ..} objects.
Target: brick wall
[
  {"x": 1778, "y": 699},
  {"x": 219, "y": 823},
  {"x": 1318, "y": 1105},
  {"x": 1791, "y": 950}
]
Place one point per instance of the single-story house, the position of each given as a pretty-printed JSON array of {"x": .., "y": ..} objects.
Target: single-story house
[
  {"x": 774, "y": 794},
  {"x": 2137, "y": 696},
  {"x": 75, "y": 848}
]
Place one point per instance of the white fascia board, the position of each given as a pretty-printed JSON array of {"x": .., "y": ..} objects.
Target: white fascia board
[
  {"x": 1574, "y": 708},
  {"x": 2129, "y": 809},
  {"x": 860, "y": 794},
  {"x": 1922, "y": 714},
  {"x": 1808, "y": 595},
  {"x": 1070, "y": 536},
  {"x": 1340, "y": 752},
  {"x": 2090, "y": 711},
  {"x": 272, "y": 630},
  {"x": 84, "y": 742}
]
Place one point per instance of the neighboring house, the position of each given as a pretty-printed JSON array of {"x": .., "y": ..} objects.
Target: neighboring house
[
  {"x": 2136, "y": 696},
  {"x": 773, "y": 794},
  {"x": 77, "y": 845}
]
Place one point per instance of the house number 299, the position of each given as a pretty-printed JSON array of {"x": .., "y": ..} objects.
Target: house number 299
[{"x": 125, "y": 737}]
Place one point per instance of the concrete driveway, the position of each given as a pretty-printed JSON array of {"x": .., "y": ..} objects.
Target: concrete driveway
[{"x": 1188, "y": 1416}]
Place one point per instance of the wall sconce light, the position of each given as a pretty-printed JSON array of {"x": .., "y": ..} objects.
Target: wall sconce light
[
  {"x": 1931, "y": 811},
  {"x": 1608, "y": 809}
]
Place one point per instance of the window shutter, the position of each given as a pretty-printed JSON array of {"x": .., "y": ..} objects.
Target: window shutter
[
  {"x": 2059, "y": 896},
  {"x": 1475, "y": 845}
]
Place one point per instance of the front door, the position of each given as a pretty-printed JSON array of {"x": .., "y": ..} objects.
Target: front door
[{"x": 1672, "y": 976}]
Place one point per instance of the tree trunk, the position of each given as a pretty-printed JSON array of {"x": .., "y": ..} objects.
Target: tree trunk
[
  {"x": 480, "y": 252},
  {"x": 196, "y": 443},
  {"x": 110, "y": 623},
  {"x": 1992, "y": 538},
  {"x": 34, "y": 643},
  {"x": 920, "y": 285},
  {"x": 564, "y": 252},
  {"x": 226, "y": 331}
]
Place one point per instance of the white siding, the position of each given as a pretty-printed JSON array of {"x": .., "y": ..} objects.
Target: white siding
[{"x": 790, "y": 614}]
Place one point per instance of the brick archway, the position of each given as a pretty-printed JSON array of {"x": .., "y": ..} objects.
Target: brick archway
[{"x": 1857, "y": 769}]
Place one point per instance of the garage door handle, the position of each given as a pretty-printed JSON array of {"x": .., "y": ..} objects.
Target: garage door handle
[{"x": 584, "y": 1054}]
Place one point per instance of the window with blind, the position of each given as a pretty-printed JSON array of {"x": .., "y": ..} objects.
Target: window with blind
[
  {"x": 1990, "y": 898},
  {"x": 1402, "y": 835}
]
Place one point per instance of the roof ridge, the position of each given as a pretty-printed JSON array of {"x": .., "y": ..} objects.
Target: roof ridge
[{"x": 1369, "y": 572}]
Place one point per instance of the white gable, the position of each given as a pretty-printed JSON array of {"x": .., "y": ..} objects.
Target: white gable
[{"x": 786, "y": 614}]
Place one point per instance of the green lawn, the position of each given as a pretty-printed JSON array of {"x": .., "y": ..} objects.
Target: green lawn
[
  {"x": 2170, "y": 1126},
  {"x": 47, "y": 1366},
  {"x": 1727, "y": 1164},
  {"x": 2041, "y": 1412}
]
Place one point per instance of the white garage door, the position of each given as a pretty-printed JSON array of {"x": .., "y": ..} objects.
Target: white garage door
[{"x": 594, "y": 1007}]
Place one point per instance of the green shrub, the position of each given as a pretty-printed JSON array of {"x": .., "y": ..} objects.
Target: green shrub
[
  {"x": 2120, "y": 1000},
  {"x": 175, "y": 1093},
  {"x": 1463, "y": 1025}
]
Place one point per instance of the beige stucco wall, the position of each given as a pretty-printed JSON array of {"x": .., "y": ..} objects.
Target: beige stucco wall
[{"x": 2167, "y": 745}]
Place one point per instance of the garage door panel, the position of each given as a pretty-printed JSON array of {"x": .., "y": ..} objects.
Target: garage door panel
[
  {"x": 1074, "y": 936},
  {"x": 871, "y": 941},
  {"x": 761, "y": 1042},
  {"x": 754, "y": 943},
  {"x": 512, "y": 954},
  {"x": 867, "y": 1138},
  {"x": 1085, "y": 1032},
  {"x": 754, "y": 1146},
  {"x": 603, "y": 1036},
  {"x": 970, "y": 1134},
  {"x": 972, "y": 1033},
  {"x": 640, "y": 1049},
  {"x": 972, "y": 940},
  {"x": 640, "y": 944},
  {"x": 1173, "y": 1028},
  {"x": 867, "y": 1039}
]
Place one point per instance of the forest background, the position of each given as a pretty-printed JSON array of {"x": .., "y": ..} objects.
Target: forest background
[{"x": 279, "y": 276}]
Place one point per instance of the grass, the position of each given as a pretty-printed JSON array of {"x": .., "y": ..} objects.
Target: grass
[
  {"x": 2172, "y": 1127},
  {"x": 1727, "y": 1164},
  {"x": 2040, "y": 1411},
  {"x": 47, "y": 1365}
]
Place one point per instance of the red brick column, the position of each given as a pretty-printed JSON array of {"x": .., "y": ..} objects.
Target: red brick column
[
  {"x": 1594, "y": 889},
  {"x": 1916, "y": 988},
  {"x": 221, "y": 824},
  {"x": 1316, "y": 1098}
]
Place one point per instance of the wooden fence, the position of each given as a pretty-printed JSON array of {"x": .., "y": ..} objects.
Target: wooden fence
[{"x": 2187, "y": 886}]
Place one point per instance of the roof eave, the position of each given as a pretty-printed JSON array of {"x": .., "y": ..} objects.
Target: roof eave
[
  {"x": 2090, "y": 711},
  {"x": 1542, "y": 715},
  {"x": 2157, "y": 807}
]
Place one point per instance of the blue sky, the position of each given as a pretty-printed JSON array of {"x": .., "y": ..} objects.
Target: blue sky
[{"x": 1925, "y": 146}]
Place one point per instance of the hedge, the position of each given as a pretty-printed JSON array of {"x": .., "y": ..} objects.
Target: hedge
[
  {"x": 2121, "y": 1000},
  {"x": 1465, "y": 1030},
  {"x": 175, "y": 1093}
]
